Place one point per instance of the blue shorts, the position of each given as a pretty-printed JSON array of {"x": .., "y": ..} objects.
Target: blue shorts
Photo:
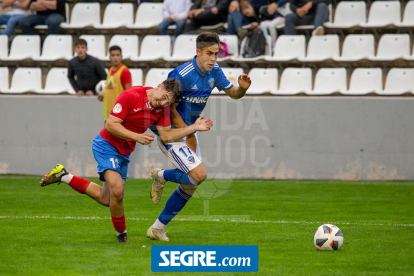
[{"x": 109, "y": 158}]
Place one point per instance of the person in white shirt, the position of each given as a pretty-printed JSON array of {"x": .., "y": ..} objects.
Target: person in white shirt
[
  {"x": 174, "y": 12},
  {"x": 18, "y": 11}
]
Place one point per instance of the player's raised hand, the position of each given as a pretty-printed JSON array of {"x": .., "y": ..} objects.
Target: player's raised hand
[
  {"x": 244, "y": 81},
  {"x": 203, "y": 125},
  {"x": 145, "y": 138}
]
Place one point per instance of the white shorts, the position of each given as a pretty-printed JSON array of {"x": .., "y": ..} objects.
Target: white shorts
[{"x": 180, "y": 155}]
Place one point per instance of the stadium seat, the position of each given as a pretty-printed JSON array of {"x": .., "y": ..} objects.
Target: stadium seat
[
  {"x": 232, "y": 75},
  {"x": 383, "y": 13},
  {"x": 117, "y": 15},
  {"x": 288, "y": 47},
  {"x": 148, "y": 15},
  {"x": 294, "y": 81},
  {"x": 128, "y": 44},
  {"x": 57, "y": 82},
  {"x": 25, "y": 80},
  {"x": 4, "y": 46},
  {"x": 348, "y": 14},
  {"x": 357, "y": 47},
  {"x": 268, "y": 52},
  {"x": 263, "y": 80},
  {"x": 24, "y": 47},
  {"x": 137, "y": 78},
  {"x": 154, "y": 47},
  {"x": 96, "y": 45},
  {"x": 364, "y": 81},
  {"x": 399, "y": 81},
  {"x": 4, "y": 78},
  {"x": 56, "y": 47},
  {"x": 408, "y": 20},
  {"x": 329, "y": 80},
  {"x": 184, "y": 48},
  {"x": 83, "y": 15},
  {"x": 156, "y": 76},
  {"x": 232, "y": 42},
  {"x": 392, "y": 47},
  {"x": 322, "y": 47}
]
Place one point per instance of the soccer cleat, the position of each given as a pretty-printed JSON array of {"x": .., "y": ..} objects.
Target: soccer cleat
[
  {"x": 122, "y": 237},
  {"x": 157, "y": 187},
  {"x": 55, "y": 176},
  {"x": 157, "y": 234}
]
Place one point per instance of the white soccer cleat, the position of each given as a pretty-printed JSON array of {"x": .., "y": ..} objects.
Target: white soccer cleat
[
  {"x": 157, "y": 187},
  {"x": 157, "y": 234}
]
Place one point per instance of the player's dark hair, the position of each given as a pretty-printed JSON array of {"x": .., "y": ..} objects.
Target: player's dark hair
[
  {"x": 81, "y": 42},
  {"x": 207, "y": 39},
  {"x": 173, "y": 85},
  {"x": 115, "y": 48}
]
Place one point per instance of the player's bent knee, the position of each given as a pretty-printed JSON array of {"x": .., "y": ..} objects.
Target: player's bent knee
[{"x": 117, "y": 194}]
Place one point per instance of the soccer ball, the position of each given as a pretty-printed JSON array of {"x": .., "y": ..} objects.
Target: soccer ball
[
  {"x": 100, "y": 87},
  {"x": 328, "y": 237}
]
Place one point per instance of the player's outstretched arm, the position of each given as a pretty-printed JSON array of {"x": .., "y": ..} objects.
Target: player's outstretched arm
[
  {"x": 237, "y": 92},
  {"x": 113, "y": 125},
  {"x": 169, "y": 135}
]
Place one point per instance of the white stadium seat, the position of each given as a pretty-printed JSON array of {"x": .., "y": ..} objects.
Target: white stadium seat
[
  {"x": 329, "y": 80},
  {"x": 392, "y": 47},
  {"x": 25, "y": 80},
  {"x": 136, "y": 75},
  {"x": 348, "y": 14},
  {"x": 56, "y": 47},
  {"x": 24, "y": 47},
  {"x": 408, "y": 20},
  {"x": 128, "y": 44},
  {"x": 96, "y": 45},
  {"x": 57, "y": 82},
  {"x": 156, "y": 76},
  {"x": 232, "y": 74},
  {"x": 4, "y": 78},
  {"x": 4, "y": 46},
  {"x": 83, "y": 15},
  {"x": 232, "y": 42},
  {"x": 364, "y": 81},
  {"x": 399, "y": 81},
  {"x": 289, "y": 47},
  {"x": 154, "y": 47},
  {"x": 357, "y": 47},
  {"x": 294, "y": 81},
  {"x": 322, "y": 47},
  {"x": 263, "y": 80},
  {"x": 184, "y": 48},
  {"x": 383, "y": 13},
  {"x": 117, "y": 15},
  {"x": 148, "y": 15}
]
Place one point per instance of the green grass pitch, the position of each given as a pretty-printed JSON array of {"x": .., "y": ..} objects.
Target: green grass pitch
[{"x": 56, "y": 231}]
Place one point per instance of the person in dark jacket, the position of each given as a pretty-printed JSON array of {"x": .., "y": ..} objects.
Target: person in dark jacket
[
  {"x": 305, "y": 12},
  {"x": 206, "y": 13}
]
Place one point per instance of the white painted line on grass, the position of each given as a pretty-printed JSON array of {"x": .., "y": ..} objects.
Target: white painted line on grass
[{"x": 205, "y": 218}]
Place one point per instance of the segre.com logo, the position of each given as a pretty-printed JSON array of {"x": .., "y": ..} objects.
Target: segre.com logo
[{"x": 205, "y": 258}]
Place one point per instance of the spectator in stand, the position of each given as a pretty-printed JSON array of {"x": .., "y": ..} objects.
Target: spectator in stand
[
  {"x": 19, "y": 9},
  {"x": 119, "y": 78},
  {"x": 206, "y": 13},
  {"x": 48, "y": 12},
  {"x": 174, "y": 12},
  {"x": 305, "y": 12},
  {"x": 87, "y": 69}
]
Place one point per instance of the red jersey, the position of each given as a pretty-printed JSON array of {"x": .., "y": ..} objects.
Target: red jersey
[{"x": 137, "y": 115}]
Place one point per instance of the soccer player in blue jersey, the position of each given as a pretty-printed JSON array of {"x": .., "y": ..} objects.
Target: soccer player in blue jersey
[{"x": 198, "y": 78}]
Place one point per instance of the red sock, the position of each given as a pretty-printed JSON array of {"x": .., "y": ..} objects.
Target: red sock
[
  {"x": 119, "y": 223},
  {"x": 79, "y": 184}
]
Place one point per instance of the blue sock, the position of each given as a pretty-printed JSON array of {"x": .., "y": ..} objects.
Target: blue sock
[
  {"x": 174, "y": 204},
  {"x": 178, "y": 176}
]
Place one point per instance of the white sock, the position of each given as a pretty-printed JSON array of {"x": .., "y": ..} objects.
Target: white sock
[
  {"x": 119, "y": 233},
  {"x": 161, "y": 175},
  {"x": 158, "y": 225},
  {"x": 67, "y": 178}
]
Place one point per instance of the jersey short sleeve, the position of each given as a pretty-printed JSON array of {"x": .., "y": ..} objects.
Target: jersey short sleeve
[
  {"x": 222, "y": 83},
  {"x": 122, "y": 106},
  {"x": 164, "y": 120},
  {"x": 125, "y": 77}
]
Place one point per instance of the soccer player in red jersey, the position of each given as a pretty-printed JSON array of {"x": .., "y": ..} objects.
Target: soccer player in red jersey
[{"x": 135, "y": 110}]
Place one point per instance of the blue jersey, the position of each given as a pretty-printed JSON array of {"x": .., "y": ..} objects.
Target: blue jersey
[{"x": 196, "y": 88}]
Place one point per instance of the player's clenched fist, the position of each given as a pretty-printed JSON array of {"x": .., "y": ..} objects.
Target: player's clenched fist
[
  {"x": 145, "y": 138},
  {"x": 203, "y": 125}
]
